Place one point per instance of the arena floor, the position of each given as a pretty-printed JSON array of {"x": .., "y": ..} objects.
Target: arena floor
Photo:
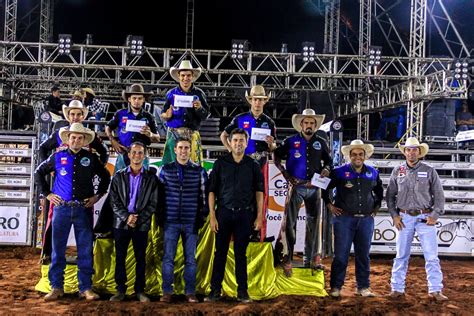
[{"x": 20, "y": 271}]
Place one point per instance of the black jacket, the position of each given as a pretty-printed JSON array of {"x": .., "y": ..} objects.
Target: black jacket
[{"x": 146, "y": 201}]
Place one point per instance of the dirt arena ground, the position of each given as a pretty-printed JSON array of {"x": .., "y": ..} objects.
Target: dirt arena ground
[{"x": 20, "y": 270}]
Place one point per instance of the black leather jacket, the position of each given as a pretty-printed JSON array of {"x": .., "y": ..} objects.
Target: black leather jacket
[{"x": 146, "y": 203}]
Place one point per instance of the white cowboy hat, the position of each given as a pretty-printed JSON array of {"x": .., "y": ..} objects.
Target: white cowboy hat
[
  {"x": 357, "y": 143},
  {"x": 76, "y": 128},
  {"x": 257, "y": 92},
  {"x": 185, "y": 65},
  {"x": 413, "y": 142},
  {"x": 297, "y": 118},
  {"x": 74, "y": 104}
]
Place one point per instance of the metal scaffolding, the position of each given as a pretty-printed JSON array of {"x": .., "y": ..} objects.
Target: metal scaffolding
[
  {"x": 407, "y": 77},
  {"x": 189, "y": 24},
  {"x": 331, "y": 27},
  {"x": 46, "y": 21},
  {"x": 447, "y": 30}
]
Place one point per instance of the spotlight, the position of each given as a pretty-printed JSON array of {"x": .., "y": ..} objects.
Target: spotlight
[
  {"x": 135, "y": 45},
  {"x": 64, "y": 44},
  {"x": 375, "y": 55},
  {"x": 239, "y": 48},
  {"x": 461, "y": 70},
  {"x": 308, "y": 51}
]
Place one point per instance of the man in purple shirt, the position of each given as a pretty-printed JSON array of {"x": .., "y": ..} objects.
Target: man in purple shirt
[{"x": 134, "y": 194}]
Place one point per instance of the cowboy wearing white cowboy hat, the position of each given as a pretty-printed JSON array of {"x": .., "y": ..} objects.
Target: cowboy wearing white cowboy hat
[
  {"x": 184, "y": 109},
  {"x": 74, "y": 112},
  {"x": 72, "y": 195},
  {"x": 358, "y": 197},
  {"x": 415, "y": 200},
  {"x": 303, "y": 153},
  {"x": 259, "y": 148},
  {"x": 124, "y": 120}
]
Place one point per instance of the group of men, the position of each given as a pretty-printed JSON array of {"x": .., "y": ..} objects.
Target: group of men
[{"x": 181, "y": 195}]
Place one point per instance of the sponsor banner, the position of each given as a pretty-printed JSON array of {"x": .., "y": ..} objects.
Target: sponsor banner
[
  {"x": 455, "y": 236},
  {"x": 13, "y": 224},
  {"x": 278, "y": 191}
]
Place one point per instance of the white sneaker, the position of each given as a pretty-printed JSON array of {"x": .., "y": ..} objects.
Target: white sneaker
[
  {"x": 335, "y": 292},
  {"x": 365, "y": 292}
]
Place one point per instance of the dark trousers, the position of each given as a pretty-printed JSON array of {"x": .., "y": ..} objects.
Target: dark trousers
[
  {"x": 122, "y": 240},
  {"x": 238, "y": 224}
]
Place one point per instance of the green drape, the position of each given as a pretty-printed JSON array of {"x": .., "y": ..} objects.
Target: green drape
[{"x": 264, "y": 281}]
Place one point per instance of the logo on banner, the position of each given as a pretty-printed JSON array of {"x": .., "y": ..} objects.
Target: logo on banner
[
  {"x": 63, "y": 160},
  {"x": 246, "y": 124}
]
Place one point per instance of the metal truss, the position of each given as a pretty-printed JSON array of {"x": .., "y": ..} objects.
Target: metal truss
[
  {"x": 9, "y": 31},
  {"x": 365, "y": 27},
  {"x": 46, "y": 21},
  {"x": 189, "y": 24},
  {"x": 331, "y": 27},
  {"x": 36, "y": 66},
  {"x": 447, "y": 30},
  {"x": 388, "y": 28},
  {"x": 417, "y": 50}
]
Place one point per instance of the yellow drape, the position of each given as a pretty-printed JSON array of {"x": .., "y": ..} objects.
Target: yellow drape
[{"x": 264, "y": 281}]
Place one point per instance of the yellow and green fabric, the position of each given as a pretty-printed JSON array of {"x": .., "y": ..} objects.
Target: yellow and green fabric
[{"x": 264, "y": 280}]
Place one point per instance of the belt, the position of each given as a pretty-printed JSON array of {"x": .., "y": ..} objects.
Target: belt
[
  {"x": 72, "y": 203},
  {"x": 237, "y": 209},
  {"x": 184, "y": 132},
  {"x": 259, "y": 155},
  {"x": 356, "y": 214},
  {"x": 416, "y": 212}
]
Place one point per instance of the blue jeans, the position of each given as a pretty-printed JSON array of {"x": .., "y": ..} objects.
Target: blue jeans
[
  {"x": 347, "y": 230},
  {"x": 429, "y": 243},
  {"x": 189, "y": 238},
  {"x": 63, "y": 218}
]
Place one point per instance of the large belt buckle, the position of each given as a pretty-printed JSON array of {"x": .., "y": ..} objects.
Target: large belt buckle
[
  {"x": 183, "y": 132},
  {"x": 413, "y": 212}
]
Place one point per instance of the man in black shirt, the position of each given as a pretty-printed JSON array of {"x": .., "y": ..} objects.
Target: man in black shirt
[
  {"x": 237, "y": 183},
  {"x": 53, "y": 101}
]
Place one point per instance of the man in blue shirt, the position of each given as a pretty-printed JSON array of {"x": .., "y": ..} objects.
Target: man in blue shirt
[
  {"x": 184, "y": 109},
  {"x": 185, "y": 198},
  {"x": 303, "y": 153},
  {"x": 358, "y": 197},
  {"x": 135, "y": 96},
  {"x": 134, "y": 194},
  {"x": 73, "y": 197}
]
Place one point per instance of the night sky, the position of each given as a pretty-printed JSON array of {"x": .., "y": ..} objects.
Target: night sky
[{"x": 266, "y": 24}]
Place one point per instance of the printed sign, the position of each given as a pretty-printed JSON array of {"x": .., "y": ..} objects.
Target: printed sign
[
  {"x": 13, "y": 224},
  {"x": 259, "y": 133},
  {"x": 183, "y": 101},
  {"x": 320, "y": 182},
  {"x": 134, "y": 126}
]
